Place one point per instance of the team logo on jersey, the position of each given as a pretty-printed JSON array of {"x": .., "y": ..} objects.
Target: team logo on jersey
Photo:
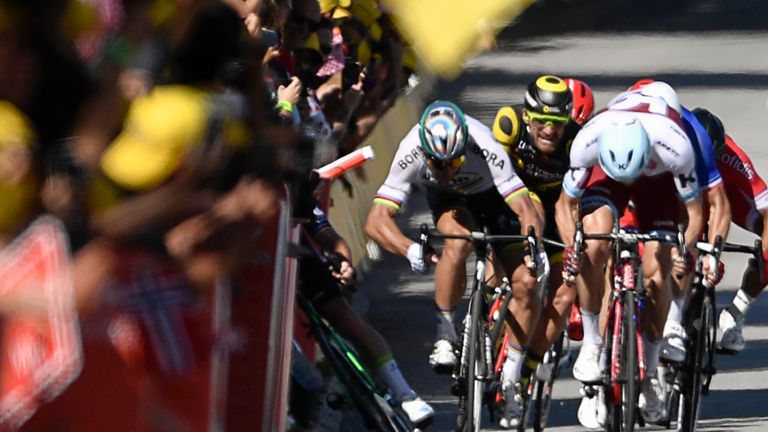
[
  {"x": 490, "y": 157},
  {"x": 685, "y": 179},
  {"x": 409, "y": 158}
]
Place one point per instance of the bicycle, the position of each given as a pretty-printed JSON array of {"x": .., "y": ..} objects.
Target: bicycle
[
  {"x": 475, "y": 352},
  {"x": 376, "y": 406},
  {"x": 624, "y": 364},
  {"x": 691, "y": 379}
]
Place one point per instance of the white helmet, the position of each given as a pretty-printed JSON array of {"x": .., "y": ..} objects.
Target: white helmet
[
  {"x": 624, "y": 150},
  {"x": 664, "y": 91}
]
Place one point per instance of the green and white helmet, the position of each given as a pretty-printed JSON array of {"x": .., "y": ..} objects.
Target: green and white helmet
[{"x": 443, "y": 131}]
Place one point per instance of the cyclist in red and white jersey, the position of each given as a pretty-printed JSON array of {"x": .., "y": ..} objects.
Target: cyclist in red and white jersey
[
  {"x": 635, "y": 149},
  {"x": 748, "y": 196}
]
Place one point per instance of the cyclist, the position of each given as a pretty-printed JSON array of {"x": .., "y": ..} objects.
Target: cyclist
[
  {"x": 583, "y": 100},
  {"x": 748, "y": 197},
  {"x": 469, "y": 183},
  {"x": 324, "y": 289},
  {"x": 710, "y": 181},
  {"x": 635, "y": 148},
  {"x": 538, "y": 135}
]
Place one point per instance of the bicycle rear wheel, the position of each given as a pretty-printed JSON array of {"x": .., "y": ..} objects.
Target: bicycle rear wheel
[
  {"x": 542, "y": 389},
  {"x": 697, "y": 368}
]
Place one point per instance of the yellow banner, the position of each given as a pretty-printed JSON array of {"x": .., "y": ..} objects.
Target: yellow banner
[{"x": 445, "y": 33}]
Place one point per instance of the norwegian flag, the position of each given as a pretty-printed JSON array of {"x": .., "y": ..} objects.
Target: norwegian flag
[{"x": 159, "y": 298}]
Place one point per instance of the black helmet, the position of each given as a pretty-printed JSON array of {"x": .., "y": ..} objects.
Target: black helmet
[
  {"x": 549, "y": 95},
  {"x": 713, "y": 126}
]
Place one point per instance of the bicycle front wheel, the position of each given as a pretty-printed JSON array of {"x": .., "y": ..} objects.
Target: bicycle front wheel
[
  {"x": 542, "y": 388},
  {"x": 691, "y": 395},
  {"x": 472, "y": 403},
  {"x": 625, "y": 382}
]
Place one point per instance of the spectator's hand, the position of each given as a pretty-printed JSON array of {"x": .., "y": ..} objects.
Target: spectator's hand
[
  {"x": 253, "y": 24},
  {"x": 354, "y": 96},
  {"x": 291, "y": 92},
  {"x": 271, "y": 54},
  {"x": 346, "y": 274}
]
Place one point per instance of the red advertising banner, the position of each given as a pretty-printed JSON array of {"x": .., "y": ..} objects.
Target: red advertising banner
[{"x": 40, "y": 346}]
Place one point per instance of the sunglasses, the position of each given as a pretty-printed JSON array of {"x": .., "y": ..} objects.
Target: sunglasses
[
  {"x": 301, "y": 20},
  {"x": 556, "y": 121},
  {"x": 453, "y": 163}
]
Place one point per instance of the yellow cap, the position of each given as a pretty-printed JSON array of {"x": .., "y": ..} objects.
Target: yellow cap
[
  {"x": 15, "y": 128},
  {"x": 159, "y": 129},
  {"x": 374, "y": 31},
  {"x": 313, "y": 43},
  {"x": 19, "y": 195},
  {"x": 364, "y": 53},
  {"x": 367, "y": 11},
  {"x": 341, "y": 13},
  {"x": 409, "y": 58}
]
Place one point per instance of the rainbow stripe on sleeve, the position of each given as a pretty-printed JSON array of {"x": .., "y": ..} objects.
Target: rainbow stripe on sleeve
[
  {"x": 387, "y": 201},
  {"x": 514, "y": 193}
]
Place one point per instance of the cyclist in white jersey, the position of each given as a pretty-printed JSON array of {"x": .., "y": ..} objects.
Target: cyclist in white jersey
[
  {"x": 469, "y": 183},
  {"x": 635, "y": 149}
]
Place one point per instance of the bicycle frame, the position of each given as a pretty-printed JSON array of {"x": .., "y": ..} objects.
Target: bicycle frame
[
  {"x": 624, "y": 318},
  {"x": 476, "y": 366}
]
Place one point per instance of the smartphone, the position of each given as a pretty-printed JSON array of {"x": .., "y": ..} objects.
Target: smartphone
[
  {"x": 269, "y": 38},
  {"x": 350, "y": 74}
]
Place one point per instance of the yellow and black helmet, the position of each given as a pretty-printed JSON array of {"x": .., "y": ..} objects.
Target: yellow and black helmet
[
  {"x": 549, "y": 95},
  {"x": 506, "y": 126}
]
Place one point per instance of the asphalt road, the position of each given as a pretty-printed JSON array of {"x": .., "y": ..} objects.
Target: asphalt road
[{"x": 716, "y": 55}]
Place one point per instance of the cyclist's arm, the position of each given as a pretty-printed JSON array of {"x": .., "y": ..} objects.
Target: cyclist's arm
[
  {"x": 695, "y": 223},
  {"x": 380, "y": 226},
  {"x": 566, "y": 215},
  {"x": 525, "y": 210},
  {"x": 329, "y": 239},
  {"x": 719, "y": 213}
]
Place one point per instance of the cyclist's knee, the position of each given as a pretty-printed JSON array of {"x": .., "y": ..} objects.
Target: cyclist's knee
[
  {"x": 456, "y": 251},
  {"x": 565, "y": 296}
]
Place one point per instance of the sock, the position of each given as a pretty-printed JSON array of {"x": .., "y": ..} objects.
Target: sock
[
  {"x": 389, "y": 372},
  {"x": 445, "y": 327},
  {"x": 742, "y": 301},
  {"x": 651, "y": 354},
  {"x": 676, "y": 309},
  {"x": 531, "y": 362},
  {"x": 512, "y": 366},
  {"x": 591, "y": 325}
]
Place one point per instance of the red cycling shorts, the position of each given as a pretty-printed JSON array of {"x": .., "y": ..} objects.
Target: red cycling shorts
[{"x": 656, "y": 206}]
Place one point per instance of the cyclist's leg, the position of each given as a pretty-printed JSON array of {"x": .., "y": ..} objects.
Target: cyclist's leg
[
  {"x": 657, "y": 266},
  {"x": 589, "y": 283},
  {"x": 553, "y": 316},
  {"x": 451, "y": 215},
  {"x": 731, "y": 320}
]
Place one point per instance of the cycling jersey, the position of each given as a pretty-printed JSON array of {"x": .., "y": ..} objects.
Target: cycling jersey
[
  {"x": 541, "y": 173},
  {"x": 671, "y": 150},
  {"x": 706, "y": 164},
  {"x": 486, "y": 165},
  {"x": 746, "y": 191}
]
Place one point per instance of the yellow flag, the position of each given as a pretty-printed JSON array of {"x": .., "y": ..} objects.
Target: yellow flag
[{"x": 445, "y": 33}]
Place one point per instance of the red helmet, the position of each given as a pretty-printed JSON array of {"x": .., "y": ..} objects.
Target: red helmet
[
  {"x": 583, "y": 100},
  {"x": 642, "y": 82}
]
